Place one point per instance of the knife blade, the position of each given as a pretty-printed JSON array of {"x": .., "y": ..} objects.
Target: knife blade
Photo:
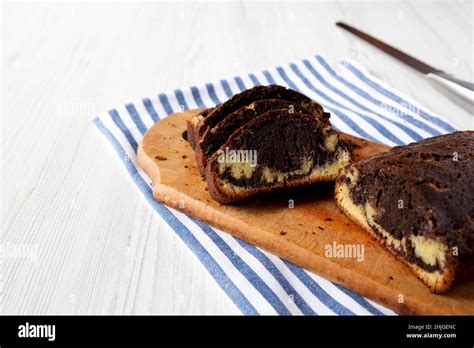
[{"x": 405, "y": 58}]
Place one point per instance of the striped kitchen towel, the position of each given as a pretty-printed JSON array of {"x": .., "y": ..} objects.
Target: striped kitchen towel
[{"x": 256, "y": 281}]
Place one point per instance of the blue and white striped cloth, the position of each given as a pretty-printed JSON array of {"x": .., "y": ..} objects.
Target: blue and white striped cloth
[{"x": 256, "y": 281}]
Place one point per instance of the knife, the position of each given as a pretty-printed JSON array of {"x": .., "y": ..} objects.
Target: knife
[{"x": 464, "y": 88}]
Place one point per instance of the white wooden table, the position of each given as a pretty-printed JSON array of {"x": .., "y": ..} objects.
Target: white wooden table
[{"x": 90, "y": 242}]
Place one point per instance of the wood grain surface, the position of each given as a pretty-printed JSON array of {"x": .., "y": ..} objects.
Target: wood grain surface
[{"x": 299, "y": 233}]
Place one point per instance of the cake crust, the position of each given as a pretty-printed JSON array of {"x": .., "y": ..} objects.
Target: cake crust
[{"x": 192, "y": 127}]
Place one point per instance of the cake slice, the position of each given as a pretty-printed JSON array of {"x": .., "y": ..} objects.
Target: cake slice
[
  {"x": 277, "y": 149},
  {"x": 213, "y": 138},
  {"x": 199, "y": 124},
  {"x": 418, "y": 202},
  {"x": 192, "y": 126}
]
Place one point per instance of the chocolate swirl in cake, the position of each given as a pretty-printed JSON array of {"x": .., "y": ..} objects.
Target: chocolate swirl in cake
[{"x": 418, "y": 200}]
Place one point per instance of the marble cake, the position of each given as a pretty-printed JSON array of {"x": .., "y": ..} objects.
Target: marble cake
[
  {"x": 418, "y": 202},
  {"x": 207, "y": 119},
  {"x": 213, "y": 138},
  {"x": 290, "y": 148}
]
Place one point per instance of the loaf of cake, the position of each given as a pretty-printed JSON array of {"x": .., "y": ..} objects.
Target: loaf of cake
[
  {"x": 265, "y": 139},
  {"x": 418, "y": 202}
]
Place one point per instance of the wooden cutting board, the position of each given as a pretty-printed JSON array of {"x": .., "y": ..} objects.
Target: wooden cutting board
[{"x": 301, "y": 234}]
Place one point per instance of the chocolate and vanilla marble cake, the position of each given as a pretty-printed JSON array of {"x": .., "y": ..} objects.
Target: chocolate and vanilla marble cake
[
  {"x": 277, "y": 149},
  {"x": 264, "y": 139},
  {"x": 418, "y": 202},
  {"x": 216, "y": 136},
  {"x": 198, "y": 125}
]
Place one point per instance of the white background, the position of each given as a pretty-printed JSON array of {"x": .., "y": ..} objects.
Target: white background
[{"x": 97, "y": 246}]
